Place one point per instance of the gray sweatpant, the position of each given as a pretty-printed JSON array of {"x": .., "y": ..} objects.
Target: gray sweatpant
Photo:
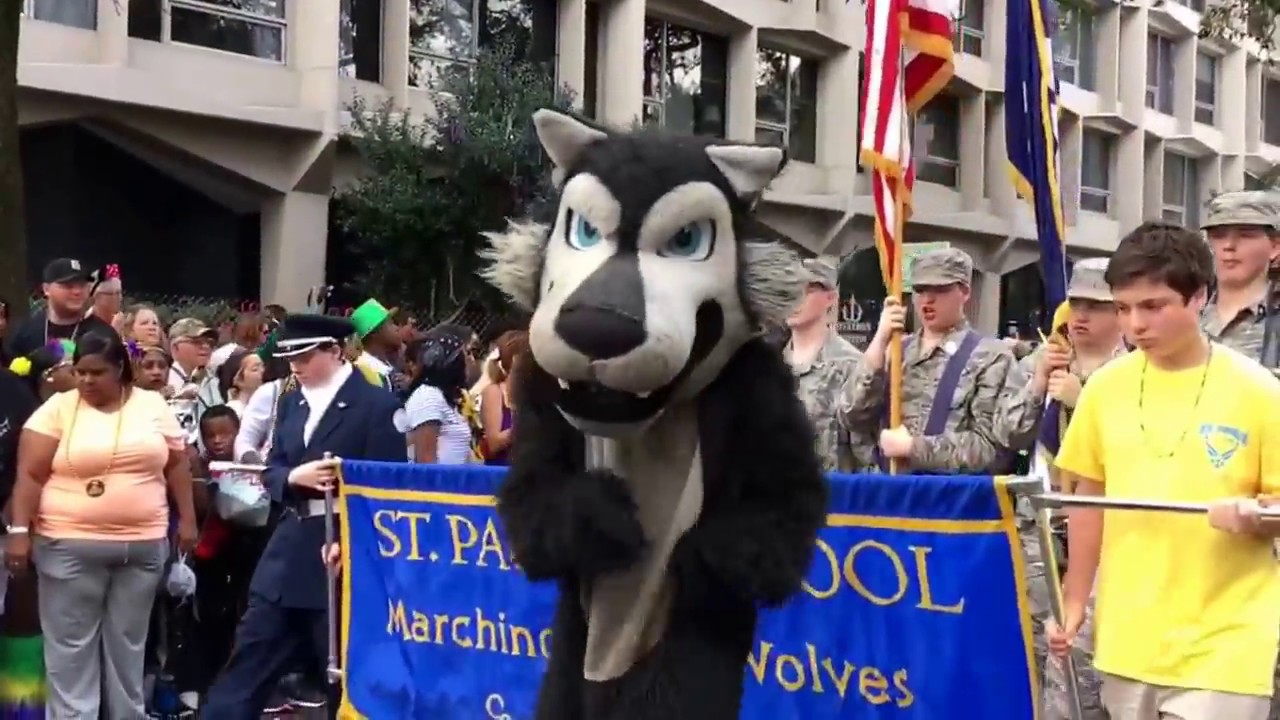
[{"x": 95, "y": 606}]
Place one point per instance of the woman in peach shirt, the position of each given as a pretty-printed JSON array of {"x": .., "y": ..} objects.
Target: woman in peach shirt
[{"x": 93, "y": 467}]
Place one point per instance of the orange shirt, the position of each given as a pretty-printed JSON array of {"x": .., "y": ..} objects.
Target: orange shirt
[{"x": 134, "y": 505}]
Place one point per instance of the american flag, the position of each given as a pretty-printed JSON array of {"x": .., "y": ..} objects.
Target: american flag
[{"x": 908, "y": 60}]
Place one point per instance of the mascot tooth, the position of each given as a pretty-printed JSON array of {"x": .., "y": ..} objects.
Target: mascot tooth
[{"x": 662, "y": 471}]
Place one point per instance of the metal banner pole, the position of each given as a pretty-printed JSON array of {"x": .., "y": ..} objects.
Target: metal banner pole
[
  {"x": 1033, "y": 488},
  {"x": 333, "y": 672},
  {"x": 1059, "y": 500}
]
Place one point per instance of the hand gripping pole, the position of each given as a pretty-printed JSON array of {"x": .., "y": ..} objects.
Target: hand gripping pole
[{"x": 1052, "y": 577}]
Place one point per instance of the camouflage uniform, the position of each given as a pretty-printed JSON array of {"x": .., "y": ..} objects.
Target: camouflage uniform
[
  {"x": 1246, "y": 332},
  {"x": 819, "y": 382},
  {"x": 1020, "y": 413},
  {"x": 968, "y": 444}
]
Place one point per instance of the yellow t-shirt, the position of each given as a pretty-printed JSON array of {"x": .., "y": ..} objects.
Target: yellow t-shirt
[{"x": 1179, "y": 603}]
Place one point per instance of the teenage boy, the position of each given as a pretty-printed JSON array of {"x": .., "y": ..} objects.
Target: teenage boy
[{"x": 1189, "y": 606}]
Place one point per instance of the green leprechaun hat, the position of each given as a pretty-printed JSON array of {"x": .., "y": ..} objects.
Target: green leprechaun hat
[{"x": 368, "y": 317}]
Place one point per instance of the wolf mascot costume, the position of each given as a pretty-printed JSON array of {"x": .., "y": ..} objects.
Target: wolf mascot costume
[{"x": 663, "y": 470}]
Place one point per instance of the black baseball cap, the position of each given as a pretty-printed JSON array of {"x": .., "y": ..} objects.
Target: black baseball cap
[{"x": 67, "y": 270}]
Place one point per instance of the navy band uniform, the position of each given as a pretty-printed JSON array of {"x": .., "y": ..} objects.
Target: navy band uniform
[{"x": 287, "y": 596}]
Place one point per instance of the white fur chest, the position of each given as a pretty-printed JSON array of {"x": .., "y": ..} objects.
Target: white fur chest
[{"x": 627, "y": 611}]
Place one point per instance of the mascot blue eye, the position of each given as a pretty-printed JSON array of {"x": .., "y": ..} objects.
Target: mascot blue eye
[
  {"x": 694, "y": 241},
  {"x": 582, "y": 234}
]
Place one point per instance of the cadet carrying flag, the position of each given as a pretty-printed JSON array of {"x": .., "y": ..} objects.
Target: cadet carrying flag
[{"x": 1031, "y": 136}]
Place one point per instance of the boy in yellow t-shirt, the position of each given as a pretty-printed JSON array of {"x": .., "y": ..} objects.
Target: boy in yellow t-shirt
[{"x": 1187, "y": 607}]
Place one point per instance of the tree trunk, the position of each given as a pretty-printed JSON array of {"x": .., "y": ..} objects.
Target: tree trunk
[{"x": 13, "y": 235}]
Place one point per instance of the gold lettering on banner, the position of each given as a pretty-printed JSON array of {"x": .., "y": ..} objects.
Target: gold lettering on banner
[
  {"x": 794, "y": 674},
  {"x": 911, "y": 579},
  {"x": 388, "y": 524},
  {"x": 464, "y": 536},
  {"x": 477, "y": 630}
]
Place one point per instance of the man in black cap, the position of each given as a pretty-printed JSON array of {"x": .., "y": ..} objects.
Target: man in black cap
[
  {"x": 334, "y": 410},
  {"x": 66, "y": 287}
]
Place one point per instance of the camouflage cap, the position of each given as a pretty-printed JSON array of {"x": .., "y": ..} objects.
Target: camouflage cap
[
  {"x": 189, "y": 329},
  {"x": 1088, "y": 281},
  {"x": 944, "y": 266},
  {"x": 1245, "y": 207},
  {"x": 822, "y": 270}
]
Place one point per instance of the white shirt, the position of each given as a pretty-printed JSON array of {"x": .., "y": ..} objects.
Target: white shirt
[
  {"x": 319, "y": 399},
  {"x": 428, "y": 405},
  {"x": 255, "y": 420}
]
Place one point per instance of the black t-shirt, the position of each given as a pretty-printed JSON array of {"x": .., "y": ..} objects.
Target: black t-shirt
[
  {"x": 36, "y": 330},
  {"x": 16, "y": 405}
]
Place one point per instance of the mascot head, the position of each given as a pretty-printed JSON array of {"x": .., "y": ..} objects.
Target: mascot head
[{"x": 647, "y": 281}]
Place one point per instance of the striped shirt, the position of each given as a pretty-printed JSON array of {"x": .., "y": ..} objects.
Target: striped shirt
[{"x": 427, "y": 405}]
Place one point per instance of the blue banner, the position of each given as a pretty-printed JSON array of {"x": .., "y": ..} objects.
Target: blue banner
[{"x": 914, "y": 608}]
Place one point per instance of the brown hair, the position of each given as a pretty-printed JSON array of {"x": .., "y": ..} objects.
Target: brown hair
[
  {"x": 249, "y": 329},
  {"x": 1162, "y": 253},
  {"x": 511, "y": 344}
]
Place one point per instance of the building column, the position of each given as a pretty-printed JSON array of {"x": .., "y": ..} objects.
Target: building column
[
  {"x": 740, "y": 109},
  {"x": 313, "y": 49},
  {"x": 395, "y": 51},
  {"x": 839, "y": 115},
  {"x": 294, "y": 228},
  {"x": 622, "y": 57},
  {"x": 113, "y": 32},
  {"x": 571, "y": 48}
]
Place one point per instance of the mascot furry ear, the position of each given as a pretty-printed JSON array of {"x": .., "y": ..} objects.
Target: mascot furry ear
[{"x": 663, "y": 469}]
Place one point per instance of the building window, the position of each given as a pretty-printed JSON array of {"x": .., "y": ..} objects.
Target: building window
[
  {"x": 1253, "y": 182},
  {"x": 1197, "y": 5},
  {"x": 1206, "y": 87},
  {"x": 360, "y": 40},
  {"x": 1160, "y": 74},
  {"x": 1095, "y": 170},
  {"x": 970, "y": 33},
  {"x": 1271, "y": 111},
  {"x": 74, "y": 13},
  {"x": 1075, "y": 59},
  {"x": 938, "y": 136},
  {"x": 1181, "y": 194},
  {"x": 442, "y": 40},
  {"x": 684, "y": 78},
  {"x": 787, "y": 103},
  {"x": 245, "y": 27},
  {"x": 528, "y": 26},
  {"x": 591, "y": 62}
]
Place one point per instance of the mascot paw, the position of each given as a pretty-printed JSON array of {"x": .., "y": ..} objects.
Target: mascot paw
[{"x": 603, "y": 532}]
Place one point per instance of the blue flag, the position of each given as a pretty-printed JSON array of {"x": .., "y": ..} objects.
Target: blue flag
[
  {"x": 914, "y": 608},
  {"x": 1031, "y": 137}
]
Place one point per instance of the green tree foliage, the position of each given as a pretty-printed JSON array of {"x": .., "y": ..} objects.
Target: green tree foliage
[
  {"x": 433, "y": 185},
  {"x": 1238, "y": 20}
]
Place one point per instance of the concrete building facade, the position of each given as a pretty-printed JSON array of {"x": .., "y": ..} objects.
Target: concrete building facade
[{"x": 253, "y": 94}]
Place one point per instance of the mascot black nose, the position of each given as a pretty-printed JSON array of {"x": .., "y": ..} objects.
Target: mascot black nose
[{"x": 604, "y": 317}]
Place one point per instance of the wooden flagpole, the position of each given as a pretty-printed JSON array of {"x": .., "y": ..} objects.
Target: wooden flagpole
[{"x": 895, "y": 291}]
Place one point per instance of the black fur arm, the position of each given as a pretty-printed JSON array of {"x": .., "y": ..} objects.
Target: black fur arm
[
  {"x": 560, "y": 519},
  {"x": 766, "y": 496}
]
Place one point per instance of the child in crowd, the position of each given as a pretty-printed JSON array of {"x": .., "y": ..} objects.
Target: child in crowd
[
  {"x": 152, "y": 364},
  {"x": 46, "y": 372}
]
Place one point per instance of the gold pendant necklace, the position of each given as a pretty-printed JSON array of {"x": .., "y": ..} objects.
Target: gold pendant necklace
[
  {"x": 1142, "y": 426},
  {"x": 95, "y": 487}
]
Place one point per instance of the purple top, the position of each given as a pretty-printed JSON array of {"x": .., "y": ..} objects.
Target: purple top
[{"x": 501, "y": 458}]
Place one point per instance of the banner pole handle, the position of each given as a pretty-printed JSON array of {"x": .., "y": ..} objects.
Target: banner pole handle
[
  {"x": 895, "y": 342},
  {"x": 333, "y": 673},
  {"x": 1053, "y": 579}
]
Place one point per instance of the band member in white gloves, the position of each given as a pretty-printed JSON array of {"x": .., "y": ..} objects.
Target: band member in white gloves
[{"x": 336, "y": 411}]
